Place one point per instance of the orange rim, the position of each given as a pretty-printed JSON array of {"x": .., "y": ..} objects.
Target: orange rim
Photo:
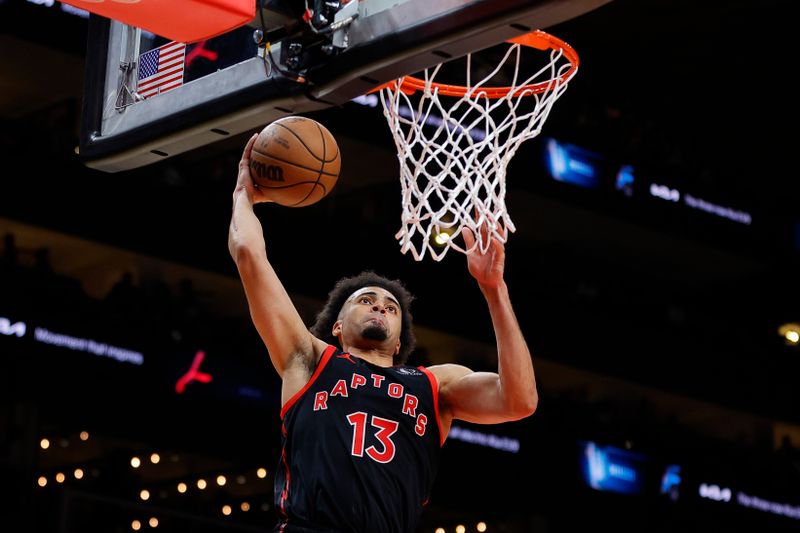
[{"x": 537, "y": 39}]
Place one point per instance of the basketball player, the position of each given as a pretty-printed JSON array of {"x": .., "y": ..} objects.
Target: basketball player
[{"x": 362, "y": 432}]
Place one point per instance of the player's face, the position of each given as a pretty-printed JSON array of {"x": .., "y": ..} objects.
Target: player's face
[{"x": 374, "y": 314}]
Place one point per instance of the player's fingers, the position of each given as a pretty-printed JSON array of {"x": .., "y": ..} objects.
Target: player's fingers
[
  {"x": 469, "y": 238},
  {"x": 500, "y": 230},
  {"x": 250, "y": 144},
  {"x": 498, "y": 248},
  {"x": 244, "y": 176},
  {"x": 248, "y": 148},
  {"x": 483, "y": 226}
]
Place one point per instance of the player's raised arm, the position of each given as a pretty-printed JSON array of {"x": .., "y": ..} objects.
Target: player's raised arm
[
  {"x": 488, "y": 397},
  {"x": 290, "y": 344}
]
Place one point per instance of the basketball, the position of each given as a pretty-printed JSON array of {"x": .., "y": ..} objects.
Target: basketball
[{"x": 295, "y": 161}]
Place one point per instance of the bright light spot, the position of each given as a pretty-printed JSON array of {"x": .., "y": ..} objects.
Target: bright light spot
[
  {"x": 182, "y": 487},
  {"x": 245, "y": 506},
  {"x": 261, "y": 473},
  {"x": 42, "y": 481},
  {"x": 221, "y": 480},
  {"x": 370, "y": 100},
  {"x": 201, "y": 484},
  {"x": 441, "y": 238},
  {"x": 481, "y": 526},
  {"x": 155, "y": 458},
  {"x": 136, "y": 462},
  {"x": 144, "y": 494},
  {"x": 226, "y": 510},
  {"x": 84, "y": 436},
  {"x": 60, "y": 477},
  {"x": 153, "y": 522},
  {"x": 78, "y": 473},
  {"x": 136, "y": 525},
  {"x": 791, "y": 333},
  {"x": 44, "y": 443},
  {"x": 439, "y": 530},
  {"x": 460, "y": 529}
]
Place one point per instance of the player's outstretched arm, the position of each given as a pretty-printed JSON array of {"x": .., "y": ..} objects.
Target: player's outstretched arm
[
  {"x": 291, "y": 346},
  {"x": 488, "y": 397}
]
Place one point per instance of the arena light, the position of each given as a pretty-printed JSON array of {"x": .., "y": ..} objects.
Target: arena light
[
  {"x": 790, "y": 333},
  {"x": 443, "y": 232},
  {"x": 441, "y": 238}
]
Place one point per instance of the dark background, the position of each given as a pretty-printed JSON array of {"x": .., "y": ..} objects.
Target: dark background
[{"x": 645, "y": 300}]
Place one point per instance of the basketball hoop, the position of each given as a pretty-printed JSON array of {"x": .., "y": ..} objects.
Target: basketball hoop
[{"x": 454, "y": 142}]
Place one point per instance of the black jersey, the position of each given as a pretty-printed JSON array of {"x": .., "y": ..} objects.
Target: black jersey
[{"x": 361, "y": 448}]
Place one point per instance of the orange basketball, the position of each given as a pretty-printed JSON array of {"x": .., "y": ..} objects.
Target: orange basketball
[{"x": 295, "y": 161}]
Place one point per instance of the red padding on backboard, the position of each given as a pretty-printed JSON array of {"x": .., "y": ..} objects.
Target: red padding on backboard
[{"x": 185, "y": 21}]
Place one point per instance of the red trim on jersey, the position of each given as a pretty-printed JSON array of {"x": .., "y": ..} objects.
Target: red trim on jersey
[
  {"x": 285, "y": 491},
  {"x": 435, "y": 389},
  {"x": 326, "y": 356}
]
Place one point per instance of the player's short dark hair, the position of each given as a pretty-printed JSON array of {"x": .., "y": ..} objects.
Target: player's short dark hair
[{"x": 345, "y": 287}]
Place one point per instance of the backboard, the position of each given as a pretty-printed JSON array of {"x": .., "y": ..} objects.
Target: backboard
[{"x": 279, "y": 64}]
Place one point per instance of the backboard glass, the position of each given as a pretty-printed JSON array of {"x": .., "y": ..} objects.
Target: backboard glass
[{"x": 278, "y": 65}]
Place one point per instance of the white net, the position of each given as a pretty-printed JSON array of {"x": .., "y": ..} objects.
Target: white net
[{"x": 454, "y": 150}]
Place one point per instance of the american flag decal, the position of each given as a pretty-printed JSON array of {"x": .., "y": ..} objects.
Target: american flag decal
[{"x": 161, "y": 69}]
